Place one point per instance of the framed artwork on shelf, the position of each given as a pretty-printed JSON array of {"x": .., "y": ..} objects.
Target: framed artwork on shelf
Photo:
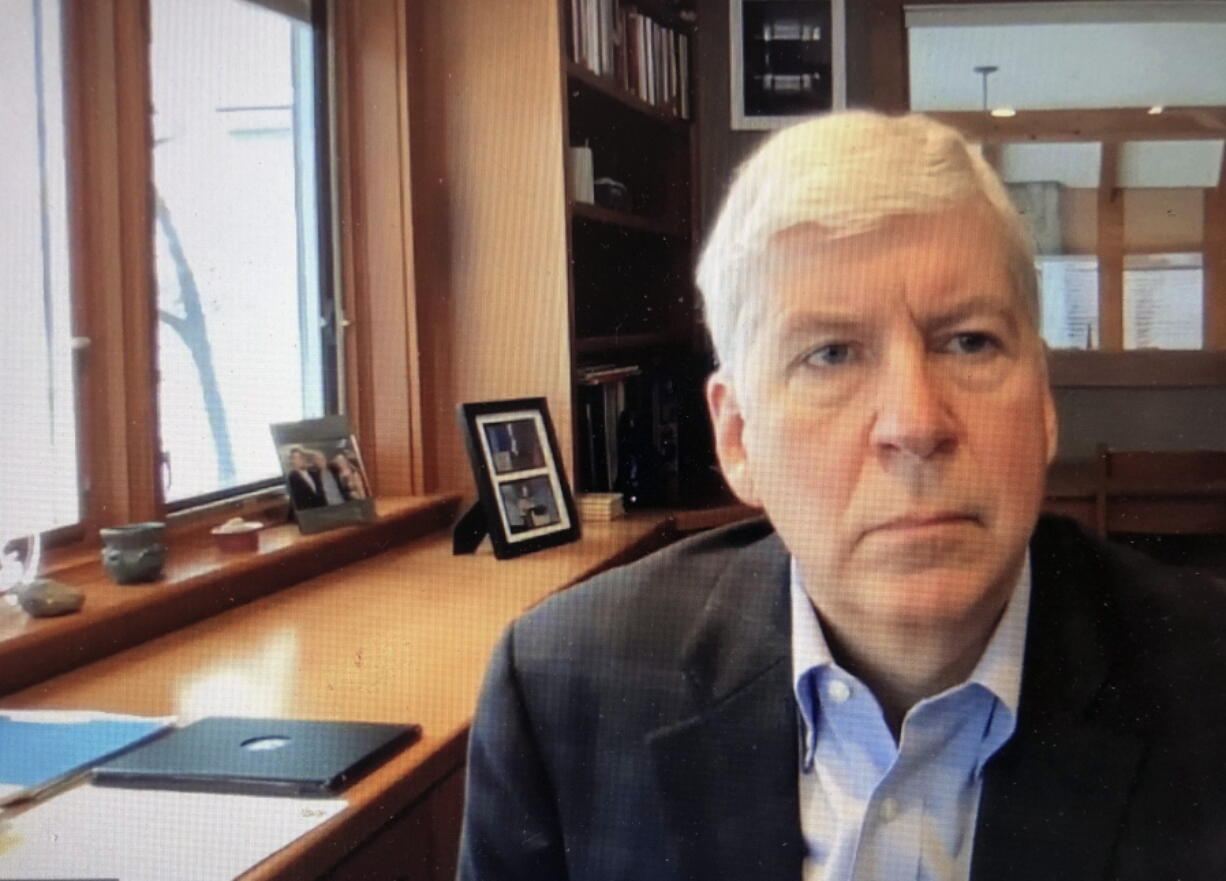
[
  {"x": 324, "y": 474},
  {"x": 523, "y": 492},
  {"x": 787, "y": 60}
]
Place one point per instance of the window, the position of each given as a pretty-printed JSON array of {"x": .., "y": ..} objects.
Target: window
[
  {"x": 244, "y": 338},
  {"x": 166, "y": 250},
  {"x": 38, "y": 430}
]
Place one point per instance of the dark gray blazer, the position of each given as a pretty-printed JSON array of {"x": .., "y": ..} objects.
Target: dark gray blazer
[{"x": 642, "y": 725}]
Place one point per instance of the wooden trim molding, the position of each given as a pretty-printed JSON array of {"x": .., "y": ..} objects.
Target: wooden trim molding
[
  {"x": 1137, "y": 369},
  {"x": 375, "y": 235},
  {"x": 1110, "y": 252},
  {"x": 1215, "y": 262},
  {"x": 111, "y": 231}
]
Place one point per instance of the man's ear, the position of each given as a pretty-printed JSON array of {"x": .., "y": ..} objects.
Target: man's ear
[
  {"x": 1051, "y": 425},
  {"x": 728, "y": 422}
]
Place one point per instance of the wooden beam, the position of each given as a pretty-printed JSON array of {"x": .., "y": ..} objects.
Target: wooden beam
[
  {"x": 887, "y": 34},
  {"x": 111, "y": 230},
  {"x": 1110, "y": 252},
  {"x": 1215, "y": 262},
  {"x": 1110, "y": 126},
  {"x": 376, "y": 240},
  {"x": 991, "y": 154}
]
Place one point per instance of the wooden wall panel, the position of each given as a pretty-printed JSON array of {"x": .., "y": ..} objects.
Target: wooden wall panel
[
  {"x": 375, "y": 236},
  {"x": 489, "y": 206},
  {"x": 1215, "y": 263}
]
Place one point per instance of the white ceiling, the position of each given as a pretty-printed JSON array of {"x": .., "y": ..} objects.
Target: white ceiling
[
  {"x": 1047, "y": 62},
  {"x": 1142, "y": 163},
  {"x": 1074, "y": 56}
]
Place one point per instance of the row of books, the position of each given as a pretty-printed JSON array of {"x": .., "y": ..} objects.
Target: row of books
[{"x": 641, "y": 55}]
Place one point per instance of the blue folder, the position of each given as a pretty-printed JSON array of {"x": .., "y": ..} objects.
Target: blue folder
[{"x": 35, "y": 755}]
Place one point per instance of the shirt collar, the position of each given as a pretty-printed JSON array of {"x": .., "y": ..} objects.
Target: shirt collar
[{"x": 999, "y": 669}]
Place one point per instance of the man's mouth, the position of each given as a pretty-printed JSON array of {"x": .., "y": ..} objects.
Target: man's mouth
[{"x": 925, "y": 520}]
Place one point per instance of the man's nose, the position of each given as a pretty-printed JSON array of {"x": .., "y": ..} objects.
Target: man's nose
[{"x": 913, "y": 416}]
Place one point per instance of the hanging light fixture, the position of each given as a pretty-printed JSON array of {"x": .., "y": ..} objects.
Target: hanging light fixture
[{"x": 986, "y": 70}]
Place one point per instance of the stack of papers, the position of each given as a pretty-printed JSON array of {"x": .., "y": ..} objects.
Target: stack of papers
[
  {"x": 149, "y": 835},
  {"x": 40, "y": 749}
]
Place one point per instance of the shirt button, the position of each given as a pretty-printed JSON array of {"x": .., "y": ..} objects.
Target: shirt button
[
  {"x": 838, "y": 691},
  {"x": 889, "y": 809}
]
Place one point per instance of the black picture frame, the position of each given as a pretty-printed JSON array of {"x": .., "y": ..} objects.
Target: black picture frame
[
  {"x": 521, "y": 485},
  {"x": 341, "y": 494}
]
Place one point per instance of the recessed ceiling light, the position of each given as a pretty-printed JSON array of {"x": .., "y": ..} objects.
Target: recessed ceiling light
[
  {"x": 1004, "y": 112},
  {"x": 1156, "y": 109}
]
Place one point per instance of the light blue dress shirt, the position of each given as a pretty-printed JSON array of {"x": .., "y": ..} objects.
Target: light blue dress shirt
[{"x": 873, "y": 810}]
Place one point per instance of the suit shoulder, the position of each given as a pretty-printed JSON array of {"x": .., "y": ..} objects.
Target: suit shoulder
[
  {"x": 1158, "y": 608},
  {"x": 654, "y": 599}
]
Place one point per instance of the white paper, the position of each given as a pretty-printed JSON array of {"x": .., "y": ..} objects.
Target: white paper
[
  {"x": 1164, "y": 302},
  {"x": 1069, "y": 301},
  {"x": 151, "y": 835}
]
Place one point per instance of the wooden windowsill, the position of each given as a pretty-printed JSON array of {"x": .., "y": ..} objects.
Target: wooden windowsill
[{"x": 199, "y": 581}]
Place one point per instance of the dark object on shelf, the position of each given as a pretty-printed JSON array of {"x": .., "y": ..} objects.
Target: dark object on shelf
[
  {"x": 133, "y": 553},
  {"x": 612, "y": 194},
  {"x": 525, "y": 502}
]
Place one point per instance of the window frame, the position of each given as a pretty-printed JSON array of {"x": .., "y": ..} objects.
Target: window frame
[{"x": 108, "y": 133}]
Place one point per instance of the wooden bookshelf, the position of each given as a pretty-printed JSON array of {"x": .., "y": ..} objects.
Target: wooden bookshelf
[{"x": 632, "y": 297}]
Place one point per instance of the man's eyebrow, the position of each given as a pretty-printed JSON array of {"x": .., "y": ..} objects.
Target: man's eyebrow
[
  {"x": 972, "y": 307},
  {"x": 808, "y": 324}
]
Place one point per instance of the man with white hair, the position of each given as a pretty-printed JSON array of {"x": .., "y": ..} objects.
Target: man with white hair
[{"x": 903, "y": 672}]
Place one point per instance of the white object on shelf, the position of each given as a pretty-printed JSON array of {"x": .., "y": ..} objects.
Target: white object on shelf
[{"x": 582, "y": 181}]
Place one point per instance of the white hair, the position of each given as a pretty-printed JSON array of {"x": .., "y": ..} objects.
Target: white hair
[{"x": 846, "y": 173}]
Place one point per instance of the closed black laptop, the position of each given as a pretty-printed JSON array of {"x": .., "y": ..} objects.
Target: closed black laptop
[{"x": 258, "y": 756}]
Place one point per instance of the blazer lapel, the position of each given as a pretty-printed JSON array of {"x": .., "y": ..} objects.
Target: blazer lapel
[
  {"x": 1054, "y": 795},
  {"x": 728, "y": 772}
]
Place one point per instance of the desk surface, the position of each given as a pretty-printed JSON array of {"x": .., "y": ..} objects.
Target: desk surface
[{"x": 403, "y": 636}]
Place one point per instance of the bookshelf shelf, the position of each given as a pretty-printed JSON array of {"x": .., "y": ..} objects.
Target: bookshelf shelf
[
  {"x": 582, "y": 80},
  {"x": 627, "y": 342},
  {"x": 624, "y": 219}
]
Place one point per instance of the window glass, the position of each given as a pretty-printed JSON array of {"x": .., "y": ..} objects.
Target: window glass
[
  {"x": 241, "y": 343},
  {"x": 38, "y": 438}
]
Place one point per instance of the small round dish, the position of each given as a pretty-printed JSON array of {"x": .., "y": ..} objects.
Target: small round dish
[{"x": 237, "y": 535}]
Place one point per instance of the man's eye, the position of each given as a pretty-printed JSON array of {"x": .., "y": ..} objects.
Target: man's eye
[
  {"x": 831, "y": 355},
  {"x": 971, "y": 343}
]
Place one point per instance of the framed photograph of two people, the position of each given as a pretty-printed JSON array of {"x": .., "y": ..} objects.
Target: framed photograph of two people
[
  {"x": 523, "y": 490},
  {"x": 324, "y": 474}
]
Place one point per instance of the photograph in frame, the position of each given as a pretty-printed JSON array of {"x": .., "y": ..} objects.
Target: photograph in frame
[
  {"x": 325, "y": 477},
  {"x": 523, "y": 491}
]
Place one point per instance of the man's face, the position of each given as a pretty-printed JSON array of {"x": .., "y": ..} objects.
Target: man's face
[
  {"x": 892, "y": 416},
  {"x": 297, "y": 460}
]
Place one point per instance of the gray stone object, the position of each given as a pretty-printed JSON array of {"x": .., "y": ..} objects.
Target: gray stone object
[
  {"x": 134, "y": 553},
  {"x": 44, "y": 598}
]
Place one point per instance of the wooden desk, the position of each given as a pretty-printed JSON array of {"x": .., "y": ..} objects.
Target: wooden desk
[{"x": 403, "y": 636}]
